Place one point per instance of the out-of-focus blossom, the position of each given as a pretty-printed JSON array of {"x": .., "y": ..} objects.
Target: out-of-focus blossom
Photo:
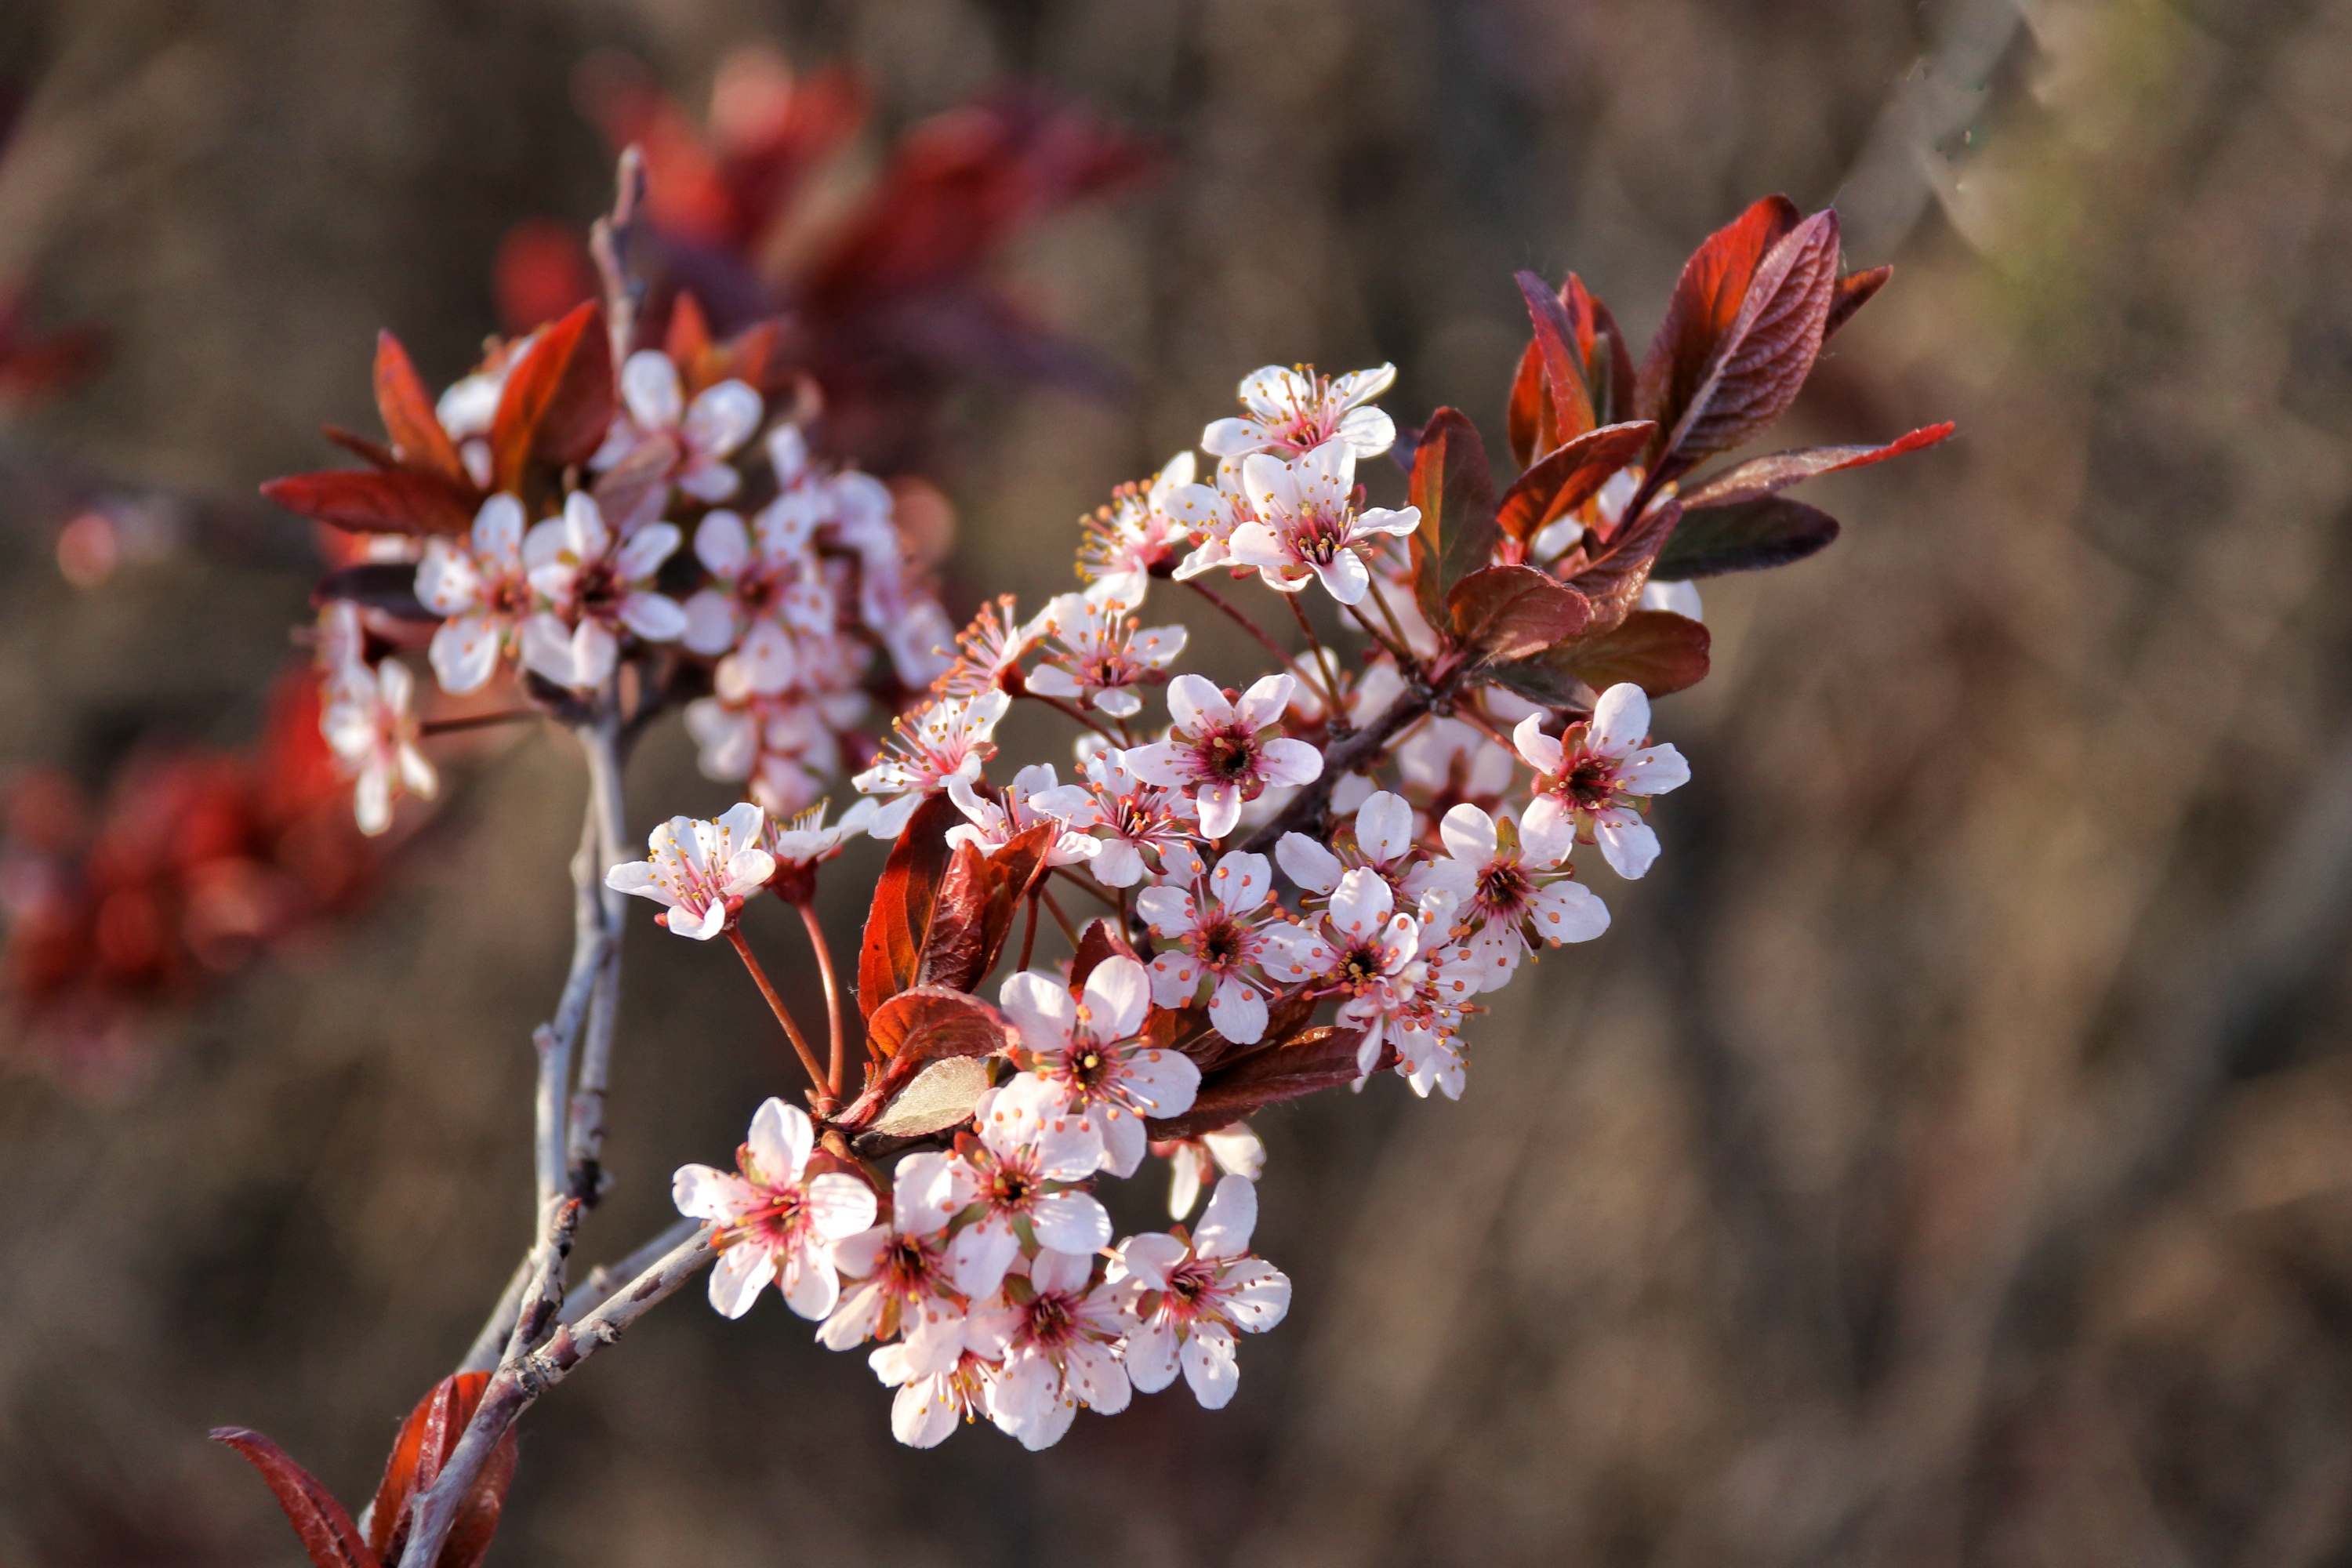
[
  {"x": 373, "y": 735},
  {"x": 708, "y": 430},
  {"x": 597, "y": 588},
  {"x": 1236, "y": 1150},
  {"x": 481, "y": 588},
  {"x": 1143, "y": 532}
]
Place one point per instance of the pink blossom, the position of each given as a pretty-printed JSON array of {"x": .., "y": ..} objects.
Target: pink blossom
[
  {"x": 1294, "y": 411},
  {"x": 1306, "y": 526},
  {"x": 1017, "y": 1169},
  {"x": 772, "y": 1224},
  {"x": 1360, "y": 949},
  {"x": 1213, "y": 933},
  {"x": 1140, "y": 532},
  {"x": 902, "y": 1287},
  {"x": 1061, "y": 1336},
  {"x": 1083, "y": 1059},
  {"x": 990, "y": 650},
  {"x": 1379, "y": 839},
  {"x": 1235, "y": 1150},
  {"x": 765, "y": 595},
  {"x": 1102, "y": 655},
  {"x": 596, "y": 588},
  {"x": 1597, "y": 778},
  {"x": 708, "y": 430},
  {"x": 928, "y": 1405},
  {"x": 367, "y": 724},
  {"x": 1035, "y": 795},
  {"x": 948, "y": 740},
  {"x": 1511, "y": 888},
  {"x": 1218, "y": 753},
  {"x": 1138, "y": 823},
  {"x": 481, "y": 588},
  {"x": 1185, "y": 1301},
  {"x": 700, "y": 872}
]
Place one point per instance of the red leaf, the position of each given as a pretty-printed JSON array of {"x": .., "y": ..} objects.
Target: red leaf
[
  {"x": 977, "y": 902},
  {"x": 1614, "y": 582},
  {"x": 375, "y": 454},
  {"x": 426, "y": 1440},
  {"x": 1762, "y": 475},
  {"x": 558, "y": 403},
  {"x": 1098, "y": 940},
  {"x": 1854, "y": 291},
  {"x": 1657, "y": 650},
  {"x": 1763, "y": 360},
  {"x": 1301, "y": 1065},
  {"x": 408, "y": 416},
  {"x": 1515, "y": 612},
  {"x": 1707, "y": 300},
  {"x": 1563, "y": 351},
  {"x": 901, "y": 914},
  {"x": 1770, "y": 530},
  {"x": 687, "y": 341},
  {"x": 1569, "y": 477},
  {"x": 931, "y": 1021},
  {"x": 398, "y": 501},
  {"x": 1455, "y": 492},
  {"x": 326, "y": 1532}
]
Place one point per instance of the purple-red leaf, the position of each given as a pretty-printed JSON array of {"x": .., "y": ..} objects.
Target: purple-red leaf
[
  {"x": 1099, "y": 940},
  {"x": 1707, "y": 300},
  {"x": 895, "y": 927},
  {"x": 1515, "y": 612},
  {"x": 426, "y": 1440},
  {"x": 409, "y": 418},
  {"x": 1748, "y": 536},
  {"x": 1301, "y": 1065},
  {"x": 1455, "y": 489},
  {"x": 1613, "y": 582},
  {"x": 1557, "y": 341},
  {"x": 556, "y": 406},
  {"x": 395, "y": 500},
  {"x": 326, "y": 1530},
  {"x": 931, "y": 1021},
  {"x": 1854, "y": 291},
  {"x": 1654, "y": 649},
  {"x": 1569, "y": 477},
  {"x": 979, "y": 897},
  {"x": 1762, "y": 475},
  {"x": 1762, "y": 359}
]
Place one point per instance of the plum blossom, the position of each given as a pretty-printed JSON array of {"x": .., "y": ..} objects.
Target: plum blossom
[
  {"x": 1294, "y": 411},
  {"x": 1217, "y": 754},
  {"x": 1213, "y": 931},
  {"x": 479, "y": 586},
  {"x": 367, "y": 724},
  {"x": 989, "y": 651},
  {"x": 1448, "y": 761},
  {"x": 1185, "y": 1301},
  {"x": 1137, "y": 822},
  {"x": 950, "y": 740},
  {"x": 596, "y": 587},
  {"x": 799, "y": 844},
  {"x": 700, "y": 872},
  {"x": 787, "y": 746},
  {"x": 1235, "y": 1150},
  {"x": 1035, "y": 795},
  {"x": 928, "y": 1405},
  {"x": 1677, "y": 598},
  {"x": 1360, "y": 949},
  {"x": 1307, "y": 528},
  {"x": 708, "y": 430},
  {"x": 1597, "y": 778},
  {"x": 1511, "y": 887},
  {"x": 1141, "y": 530},
  {"x": 1102, "y": 657},
  {"x": 762, "y": 595},
  {"x": 1227, "y": 507},
  {"x": 902, "y": 1287},
  {"x": 1084, "y": 1060},
  {"x": 773, "y": 1222},
  {"x": 1017, "y": 1169},
  {"x": 1381, "y": 838},
  {"x": 1061, "y": 1336}
]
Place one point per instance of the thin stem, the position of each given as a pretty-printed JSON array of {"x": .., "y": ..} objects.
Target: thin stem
[
  {"x": 1396, "y": 649},
  {"x": 776, "y": 1005},
  {"x": 1060, "y": 919},
  {"x": 483, "y": 1353},
  {"x": 600, "y": 744},
  {"x": 835, "y": 1064},
  {"x": 1388, "y": 613},
  {"x": 1029, "y": 934},
  {"x": 1323, "y": 663},
  {"x": 1074, "y": 711},
  {"x": 477, "y": 720},
  {"x": 1246, "y": 625}
]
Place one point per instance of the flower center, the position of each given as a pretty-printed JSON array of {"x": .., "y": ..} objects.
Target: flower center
[
  {"x": 1219, "y": 944},
  {"x": 1503, "y": 887},
  {"x": 1050, "y": 1320},
  {"x": 908, "y": 1265},
  {"x": 1230, "y": 756},
  {"x": 1591, "y": 783}
]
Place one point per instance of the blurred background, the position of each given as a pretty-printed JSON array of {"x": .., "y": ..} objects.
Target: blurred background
[{"x": 1945, "y": 1159}]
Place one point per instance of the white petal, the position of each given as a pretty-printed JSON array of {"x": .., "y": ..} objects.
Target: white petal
[
  {"x": 782, "y": 1137},
  {"x": 1344, "y": 577},
  {"x": 979, "y": 1256},
  {"x": 1232, "y": 1215},
  {"x": 1621, "y": 721},
  {"x": 722, "y": 418},
  {"x": 1259, "y": 1294},
  {"x": 1210, "y": 1367},
  {"x": 1362, "y": 903},
  {"x": 1194, "y": 704},
  {"x": 1384, "y": 827},
  {"x": 702, "y": 1193},
  {"x": 1262, "y": 705},
  {"x": 1163, "y": 1082},
  {"x": 1654, "y": 770},
  {"x": 1541, "y": 751},
  {"x": 722, "y": 543},
  {"x": 711, "y": 626},
  {"x": 1041, "y": 1008},
  {"x": 840, "y": 1206},
  {"x": 811, "y": 1286},
  {"x": 1221, "y": 808},
  {"x": 1238, "y": 1012},
  {"x": 1627, "y": 843},
  {"x": 643, "y": 553},
  {"x": 649, "y": 386},
  {"x": 464, "y": 653},
  {"x": 1568, "y": 911},
  {"x": 1309, "y": 864},
  {"x": 738, "y": 1277},
  {"x": 1469, "y": 836},
  {"x": 1152, "y": 1357},
  {"x": 1242, "y": 882},
  {"x": 1288, "y": 761},
  {"x": 1071, "y": 1223},
  {"x": 1123, "y": 1138}
]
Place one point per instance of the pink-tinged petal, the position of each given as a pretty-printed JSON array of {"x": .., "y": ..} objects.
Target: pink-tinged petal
[
  {"x": 1568, "y": 911},
  {"x": 1194, "y": 705},
  {"x": 1539, "y": 751},
  {"x": 1361, "y": 903},
  {"x": 711, "y": 625},
  {"x": 464, "y": 653},
  {"x": 1287, "y": 761},
  {"x": 1163, "y": 1083},
  {"x": 702, "y": 1193},
  {"x": 1118, "y": 864},
  {"x": 935, "y": 1339},
  {"x": 1469, "y": 836},
  {"x": 852, "y": 1321},
  {"x": 1024, "y": 1395},
  {"x": 921, "y": 1192},
  {"x": 639, "y": 878},
  {"x": 1050, "y": 1426},
  {"x": 1041, "y": 1008},
  {"x": 1175, "y": 978},
  {"x": 1263, "y": 704},
  {"x": 1384, "y": 826},
  {"x": 547, "y": 647},
  {"x": 1220, "y": 809},
  {"x": 1362, "y": 386},
  {"x": 1257, "y": 1294},
  {"x": 1067, "y": 1151},
  {"x": 1274, "y": 392},
  {"x": 642, "y": 554},
  {"x": 811, "y": 1286},
  {"x": 1070, "y": 1224},
  {"x": 1621, "y": 721},
  {"x": 722, "y": 543},
  {"x": 979, "y": 1256},
  {"x": 1184, "y": 1172},
  {"x": 1344, "y": 577},
  {"x": 1119, "y": 701},
  {"x": 1241, "y": 882},
  {"x": 1210, "y": 1367},
  {"x": 1626, "y": 842},
  {"x": 1298, "y": 954},
  {"x": 858, "y": 1256},
  {"x": 1168, "y": 763},
  {"x": 498, "y": 528},
  {"x": 1238, "y": 1012},
  {"x": 1123, "y": 1138},
  {"x": 372, "y": 801},
  {"x": 722, "y": 418},
  {"x": 1169, "y": 912},
  {"x": 1237, "y": 1149},
  {"x": 1545, "y": 837},
  {"x": 1654, "y": 770},
  {"x": 1256, "y": 544},
  {"x": 1309, "y": 864},
  {"x": 1367, "y": 431},
  {"x": 653, "y": 616},
  {"x": 1225, "y": 1229},
  {"x": 921, "y": 1414},
  {"x": 1059, "y": 1271},
  {"x": 584, "y": 532},
  {"x": 1118, "y": 994},
  {"x": 840, "y": 1205},
  {"x": 1095, "y": 1375},
  {"x": 1053, "y": 681},
  {"x": 1229, "y": 438},
  {"x": 1150, "y": 1256},
  {"x": 1396, "y": 522},
  {"x": 649, "y": 386},
  {"x": 593, "y": 653},
  {"x": 1151, "y": 1355},
  {"x": 1268, "y": 485},
  {"x": 448, "y": 583},
  {"x": 891, "y": 820},
  {"x": 1400, "y": 940},
  {"x": 782, "y": 1137},
  {"x": 741, "y": 1272}
]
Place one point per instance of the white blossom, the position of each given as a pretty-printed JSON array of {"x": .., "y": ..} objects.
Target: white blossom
[
  {"x": 1102, "y": 655},
  {"x": 951, "y": 739},
  {"x": 596, "y": 587},
  {"x": 775, "y": 1223},
  {"x": 1185, "y": 1301},
  {"x": 1511, "y": 887},
  {"x": 367, "y": 724},
  {"x": 1084, "y": 1059},
  {"x": 708, "y": 430},
  {"x": 1215, "y": 928},
  {"x": 1306, "y": 527},
  {"x": 1217, "y": 752},
  {"x": 1061, "y": 1335},
  {"x": 1592, "y": 777},
  {"x": 480, "y": 588},
  {"x": 1295, "y": 411},
  {"x": 700, "y": 872}
]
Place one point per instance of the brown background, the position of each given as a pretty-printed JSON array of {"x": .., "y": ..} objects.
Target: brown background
[{"x": 1948, "y": 1157}]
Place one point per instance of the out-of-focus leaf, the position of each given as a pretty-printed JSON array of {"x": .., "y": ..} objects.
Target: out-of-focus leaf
[
  {"x": 409, "y": 418},
  {"x": 1455, "y": 492},
  {"x": 386, "y": 585},
  {"x": 1657, "y": 650},
  {"x": 893, "y": 944},
  {"x": 1761, "y": 362},
  {"x": 375, "y": 454},
  {"x": 1557, "y": 341},
  {"x": 1535, "y": 420},
  {"x": 978, "y": 899},
  {"x": 556, "y": 406},
  {"x": 1515, "y": 612},
  {"x": 1748, "y": 536},
  {"x": 1569, "y": 477},
  {"x": 397, "y": 501},
  {"x": 1303, "y": 1064},
  {"x": 326, "y": 1530},
  {"x": 1762, "y": 475},
  {"x": 633, "y": 491},
  {"x": 1707, "y": 300},
  {"x": 1854, "y": 291},
  {"x": 1613, "y": 581}
]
